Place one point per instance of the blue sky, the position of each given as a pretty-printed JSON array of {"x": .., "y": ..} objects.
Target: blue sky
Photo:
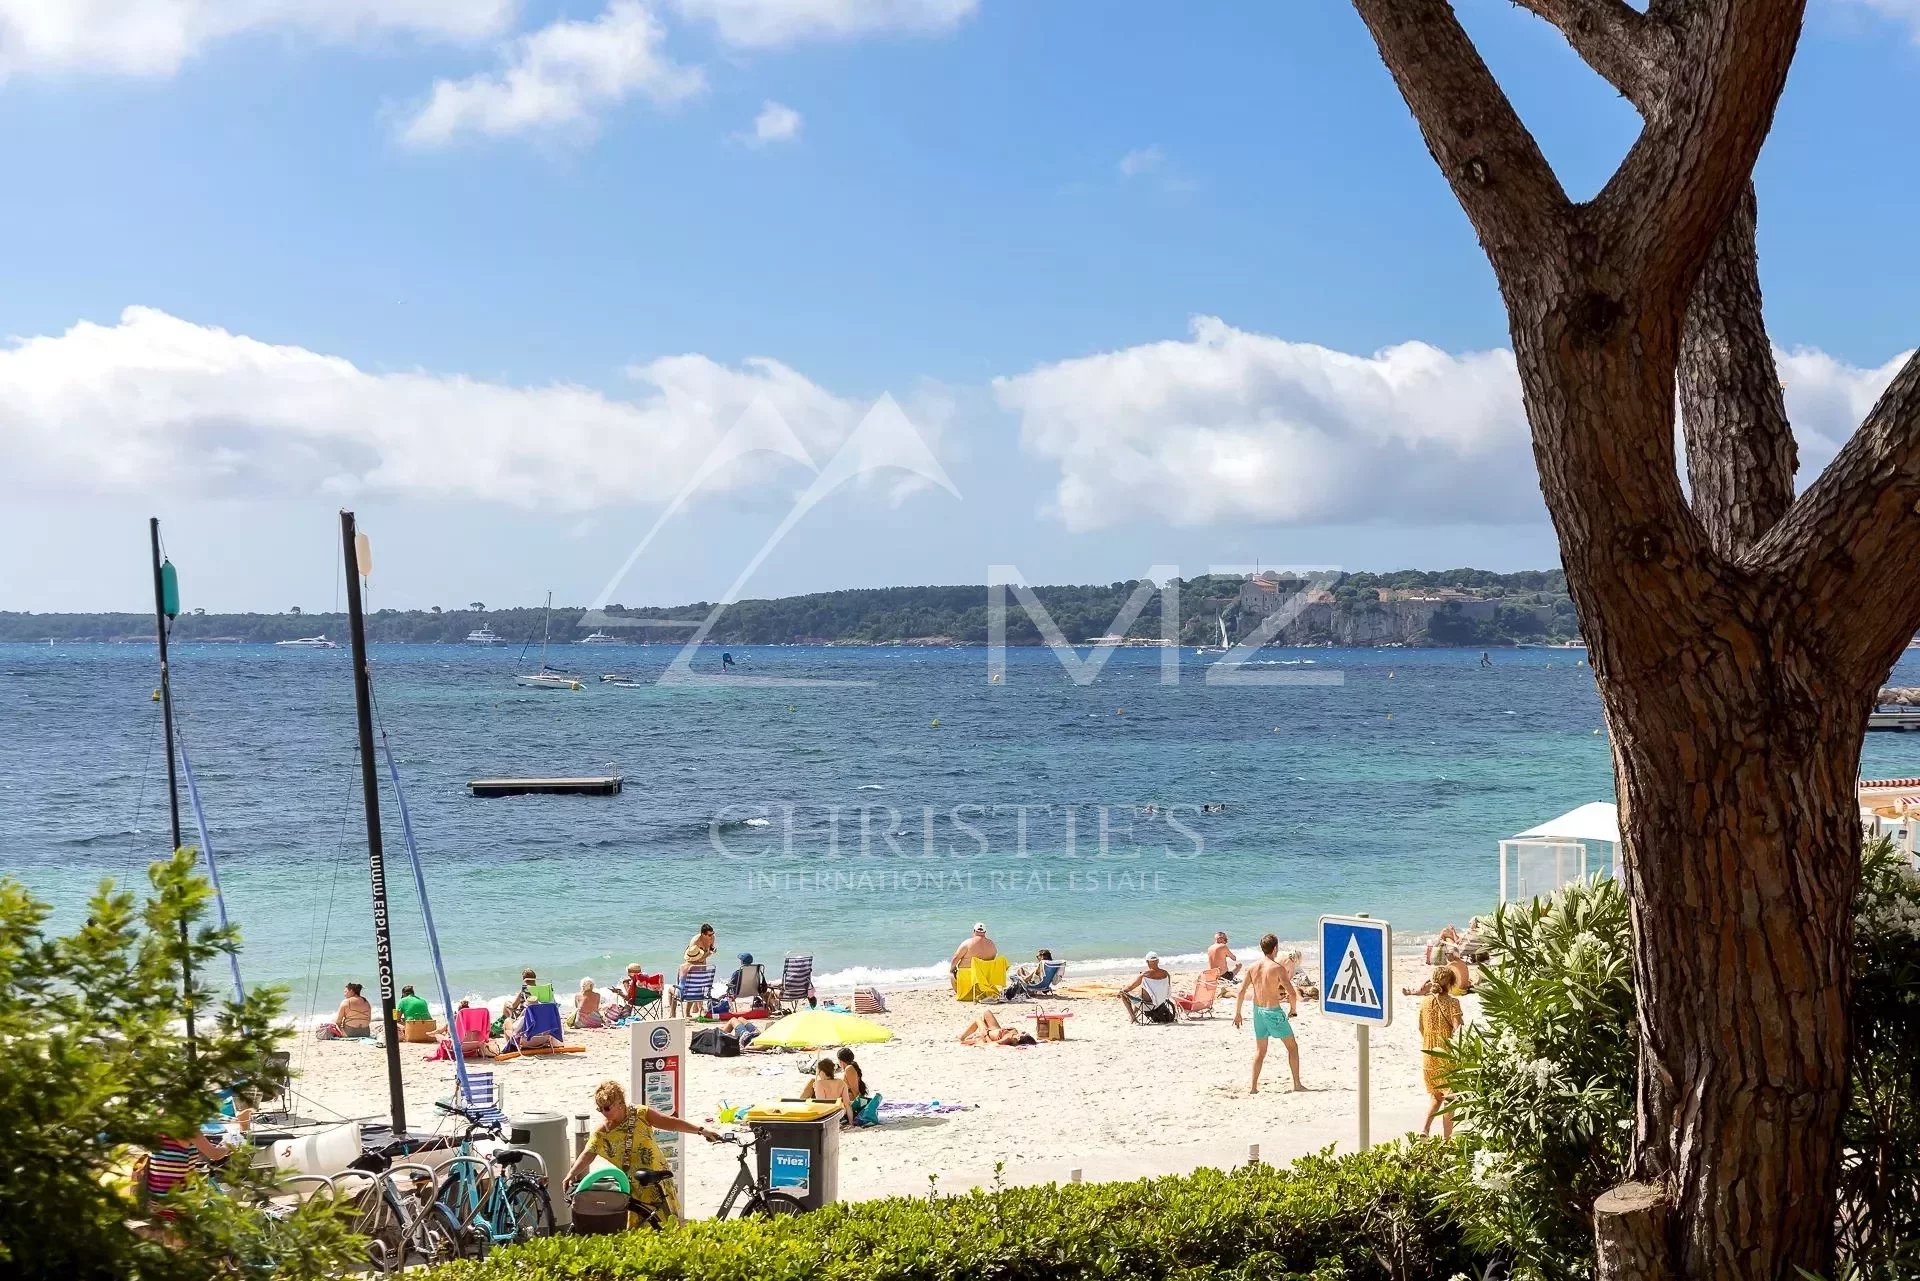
[{"x": 352, "y": 286}]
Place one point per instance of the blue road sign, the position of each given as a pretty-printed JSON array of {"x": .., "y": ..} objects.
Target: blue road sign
[{"x": 1356, "y": 969}]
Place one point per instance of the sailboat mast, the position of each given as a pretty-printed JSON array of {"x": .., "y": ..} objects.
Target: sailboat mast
[
  {"x": 370, "y": 787},
  {"x": 163, "y": 609},
  {"x": 546, "y": 629}
]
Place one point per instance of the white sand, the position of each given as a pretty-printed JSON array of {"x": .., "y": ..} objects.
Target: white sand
[{"x": 1114, "y": 1100}]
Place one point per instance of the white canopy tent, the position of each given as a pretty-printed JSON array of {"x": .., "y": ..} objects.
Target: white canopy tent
[{"x": 1538, "y": 861}]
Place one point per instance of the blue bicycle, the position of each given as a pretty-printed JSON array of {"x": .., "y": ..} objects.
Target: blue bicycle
[{"x": 492, "y": 1199}]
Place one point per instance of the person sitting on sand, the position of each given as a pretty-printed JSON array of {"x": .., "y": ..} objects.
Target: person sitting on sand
[
  {"x": 975, "y": 947},
  {"x": 1155, "y": 988},
  {"x": 850, "y": 1072},
  {"x": 586, "y": 1007},
  {"x": 410, "y": 1008},
  {"x": 1440, "y": 1018},
  {"x": 827, "y": 1087},
  {"x": 986, "y": 1030},
  {"x": 353, "y": 1021},
  {"x": 1220, "y": 957},
  {"x": 1455, "y": 962}
]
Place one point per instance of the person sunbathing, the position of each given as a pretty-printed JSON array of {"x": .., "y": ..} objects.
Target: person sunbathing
[
  {"x": 827, "y": 1087},
  {"x": 586, "y": 1006},
  {"x": 353, "y": 1020},
  {"x": 986, "y": 1030}
]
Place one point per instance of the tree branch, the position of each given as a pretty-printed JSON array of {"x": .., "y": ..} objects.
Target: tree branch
[
  {"x": 1850, "y": 546},
  {"x": 1741, "y": 455},
  {"x": 1658, "y": 215},
  {"x": 1496, "y": 170},
  {"x": 1615, "y": 39}
]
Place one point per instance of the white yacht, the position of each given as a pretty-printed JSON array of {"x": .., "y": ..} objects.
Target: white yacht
[
  {"x": 482, "y": 636},
  {"x": 599, "y": 638},
  {"x": 307, "y": 642}
]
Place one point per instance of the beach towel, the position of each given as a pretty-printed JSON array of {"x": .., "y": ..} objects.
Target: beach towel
[
  {"x": 890, "y": 1111},
  {"x": 539, "y": 1019},
  {"x": 980, "y": 980}
]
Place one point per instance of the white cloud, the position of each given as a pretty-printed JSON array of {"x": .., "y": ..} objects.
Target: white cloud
[
  {"x": 1142, "y": 160},
  {"x": 560, "y": 76},
  {"x": 158, "y": 403},
  {"x": 762, "y": 24},
  {"x": 155, "y": 37},
  {"x": 776, "y": 122},
  {"x": 1231, "y": 426}
]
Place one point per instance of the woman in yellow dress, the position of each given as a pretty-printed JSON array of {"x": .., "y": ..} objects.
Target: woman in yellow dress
[
  {"x": 625, "y": 1140},
  {"x": 1440, "y": 1018}
]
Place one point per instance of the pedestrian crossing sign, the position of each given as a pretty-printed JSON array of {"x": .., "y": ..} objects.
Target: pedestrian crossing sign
[{"x": 1356, "y": 969}]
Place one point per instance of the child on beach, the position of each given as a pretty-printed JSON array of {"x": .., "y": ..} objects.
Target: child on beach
[
  {"x": 1268, "y": 980},
  {"x": 1440, "y": 1018}
]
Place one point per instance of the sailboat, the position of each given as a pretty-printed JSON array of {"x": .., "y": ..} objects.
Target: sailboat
[
  {"x": 547, "y": 677},
  {"x": 1225, "y": 644}
]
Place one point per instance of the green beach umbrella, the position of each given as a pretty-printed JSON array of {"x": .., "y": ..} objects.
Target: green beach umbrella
[{"x": 810, "y": 1029}]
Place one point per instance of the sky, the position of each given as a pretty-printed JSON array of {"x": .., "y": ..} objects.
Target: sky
[{"x": 794, "y": 295}]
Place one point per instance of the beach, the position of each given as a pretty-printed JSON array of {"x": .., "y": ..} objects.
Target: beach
[{"x": 1114, "y": 1100}]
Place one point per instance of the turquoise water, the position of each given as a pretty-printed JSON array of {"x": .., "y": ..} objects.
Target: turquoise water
[{"x": 1386, "y": 793}]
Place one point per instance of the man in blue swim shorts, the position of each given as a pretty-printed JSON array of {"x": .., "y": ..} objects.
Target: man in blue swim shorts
[{"x": 1269, "y": 981}]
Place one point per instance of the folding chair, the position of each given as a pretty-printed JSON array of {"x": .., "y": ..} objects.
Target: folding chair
[
  {"x": 796, "y": 980},
  {"x": 696, "y": 988}
]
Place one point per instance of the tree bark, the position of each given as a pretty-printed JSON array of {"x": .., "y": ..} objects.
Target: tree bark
[
  {"x": 1630, "y": 1231},
  {"x": 1735, "y": 650}
]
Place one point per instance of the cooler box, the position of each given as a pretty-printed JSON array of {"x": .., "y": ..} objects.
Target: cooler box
[{"x": 797, "y": 1150}]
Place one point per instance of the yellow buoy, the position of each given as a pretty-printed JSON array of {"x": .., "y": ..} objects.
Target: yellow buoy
[
  {"x": 156, "y": 696},
  {"x": 936, "y": 722}
]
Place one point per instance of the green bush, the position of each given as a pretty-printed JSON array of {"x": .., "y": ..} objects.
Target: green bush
[
  {"x": 96, "y": 1066},
  {"x": 1376, "y": 1216},
  {"x": 1544, "y": 1083}
]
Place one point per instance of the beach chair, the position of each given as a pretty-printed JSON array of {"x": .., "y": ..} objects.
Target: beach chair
[
  {"x": 1021, "y": 989},
  {"x": 696, "y": 989},
  {"x": 646, "y": 990},
  {"x": 474, "y": 1027},
  {"x": 753, "y": 979},
  {"x": 1154, "y": 1004},
  {"x": 540, "y": 1018},
  {"x": 980, "y": 980},
  {"x": 796, "y": 981},
  {"x": 482, "y": 1095},
  {"x": 1198, "y": 1004}
]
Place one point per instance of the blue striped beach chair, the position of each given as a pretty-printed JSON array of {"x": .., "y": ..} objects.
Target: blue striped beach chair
[
  {"x": 695, "y": 989},
  {"x": 796, "y": 981}
]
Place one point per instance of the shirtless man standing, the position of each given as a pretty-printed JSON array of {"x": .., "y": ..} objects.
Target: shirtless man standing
[
  {"x": 1220, "y": 957},
  {"x": 1269, "y": 981},
  {"x": 975, "y": 947}
]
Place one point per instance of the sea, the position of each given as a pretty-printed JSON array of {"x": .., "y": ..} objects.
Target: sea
[{"x": 866, "y": 805}]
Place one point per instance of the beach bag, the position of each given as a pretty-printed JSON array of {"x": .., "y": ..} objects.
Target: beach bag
[
  {"x": 711, "y": 1040},
  {"x": 869, "y": 1000},
  {"x": 1161, "y": 1013}
]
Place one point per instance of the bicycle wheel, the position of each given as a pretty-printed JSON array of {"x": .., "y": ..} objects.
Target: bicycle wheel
[
  {"x": 531, "y": 1209},
  {"x": 436, "y": 1236},
  {"x": 461, "y": 1196},
  {"x": 771, "y": 1205}
]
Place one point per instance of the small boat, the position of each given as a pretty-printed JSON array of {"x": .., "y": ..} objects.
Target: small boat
[
  {"x": 307, "y": 642},
  {"x": 599, "y": 638},
  {"x": 482, "y": 636},
  {"x": 1225, "y": 644},
  {"x": 619, "y": 680},
  {"x": 548, "y": 677},
  {"x": 1894, "y": 719}
]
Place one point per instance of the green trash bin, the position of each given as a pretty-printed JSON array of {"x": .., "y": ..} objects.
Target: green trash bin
[{"x": 797, "y": 1150}]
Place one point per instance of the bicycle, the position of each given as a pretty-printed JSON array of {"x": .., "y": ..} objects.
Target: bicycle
[
  {"x": 760, "y": 1202},
  {"x": 489, "y": 1197},
  {"x": 402, "y": 1227}
]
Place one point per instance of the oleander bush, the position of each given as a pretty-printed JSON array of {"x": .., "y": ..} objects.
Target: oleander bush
[
  {"x": 1544, "y": 1082},
  {"x": 1375, "y": 1216}
]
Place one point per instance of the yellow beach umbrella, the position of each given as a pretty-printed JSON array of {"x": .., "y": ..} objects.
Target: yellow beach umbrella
[{"x": 810, "y": 1029}]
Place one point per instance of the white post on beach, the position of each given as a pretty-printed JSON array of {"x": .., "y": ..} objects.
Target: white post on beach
[
  {"x": 1356, "y": 984},
  {"x": 658, "y": 1080}
]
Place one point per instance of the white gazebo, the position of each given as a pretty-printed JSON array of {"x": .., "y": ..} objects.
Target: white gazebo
[{"x": 1538, "y": 861}]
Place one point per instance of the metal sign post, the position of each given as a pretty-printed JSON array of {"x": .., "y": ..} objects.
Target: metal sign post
[
  {"x": 659, "y": 1082},
  {"x": 1356, "y": 984}
]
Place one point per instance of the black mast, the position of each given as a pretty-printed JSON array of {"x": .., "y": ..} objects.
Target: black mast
[
  {"x": 376, "y": 857},
  {"x": 160, "y": 619}
]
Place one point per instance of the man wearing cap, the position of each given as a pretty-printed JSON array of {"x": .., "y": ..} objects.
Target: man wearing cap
[
  {"x": 734, "y": 984},
  {"x": 975, "y": 947},
  {"x": 1155, "y": 987}
]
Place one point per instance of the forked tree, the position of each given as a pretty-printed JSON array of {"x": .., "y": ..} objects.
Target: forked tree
[{"x": 1738, "y": 633}]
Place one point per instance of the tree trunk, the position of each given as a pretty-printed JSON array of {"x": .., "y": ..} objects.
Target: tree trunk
[{"x": 1736, "y": 750}]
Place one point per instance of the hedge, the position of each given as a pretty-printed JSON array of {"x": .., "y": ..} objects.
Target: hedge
[{"x": 1375, "y": 1215}]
